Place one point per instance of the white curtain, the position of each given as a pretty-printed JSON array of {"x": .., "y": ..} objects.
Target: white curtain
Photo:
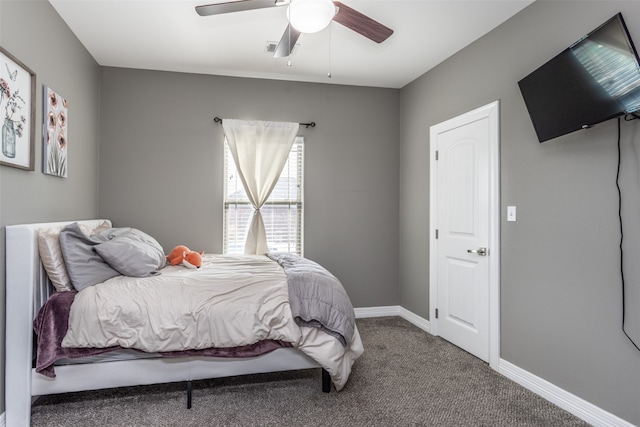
[{"x": 260, "y": 150}]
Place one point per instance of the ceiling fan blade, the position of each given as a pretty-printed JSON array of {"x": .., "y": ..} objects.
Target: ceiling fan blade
[
  {"x": 361, "y": 24},
  {"x": 235, "y": 6},
  {"x": 287, "y": 42}
]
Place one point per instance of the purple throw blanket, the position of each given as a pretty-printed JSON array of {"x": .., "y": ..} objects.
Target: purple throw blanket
[{"x": 52, "y": 322}]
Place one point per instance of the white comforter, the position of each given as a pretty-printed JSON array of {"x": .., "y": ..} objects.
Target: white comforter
[{"x": 230, "y": 301}]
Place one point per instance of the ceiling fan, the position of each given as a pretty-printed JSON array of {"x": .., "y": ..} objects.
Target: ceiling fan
[{"x": 305, "y": 16}]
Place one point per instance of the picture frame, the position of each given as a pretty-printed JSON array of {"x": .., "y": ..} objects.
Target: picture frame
[
  {"x": 54, "y": 133},
  {"x": 17, "y": 112}
]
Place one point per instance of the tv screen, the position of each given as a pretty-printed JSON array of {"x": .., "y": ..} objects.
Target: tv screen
[{"x": 595, "y": 79}]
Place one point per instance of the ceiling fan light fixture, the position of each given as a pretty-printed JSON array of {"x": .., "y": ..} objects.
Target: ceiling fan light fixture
[{"x": 310, "y": 16}]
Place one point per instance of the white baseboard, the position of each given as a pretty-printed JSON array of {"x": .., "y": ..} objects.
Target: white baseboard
[
  {"x": 364, "y": 312},
  {"x": 393, "y": 310},
  {"x": 420, "y": 322},
  {"x": 562, "y": 398},
  {"x": 569, "y": 402}
]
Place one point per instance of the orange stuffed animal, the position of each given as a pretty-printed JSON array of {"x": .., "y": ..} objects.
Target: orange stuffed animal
[{"x": 185, "y": 256}]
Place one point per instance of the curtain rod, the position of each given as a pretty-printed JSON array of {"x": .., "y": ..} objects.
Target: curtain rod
[{"x": 308, "y": 125}]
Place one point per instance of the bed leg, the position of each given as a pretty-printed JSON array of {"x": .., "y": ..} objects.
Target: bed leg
[
  {"x": 326, "y": 381},
  {"x": 189, "y": 388}
]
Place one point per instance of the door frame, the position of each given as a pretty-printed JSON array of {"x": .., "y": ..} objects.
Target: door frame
[{"x": 492, "y": 112}]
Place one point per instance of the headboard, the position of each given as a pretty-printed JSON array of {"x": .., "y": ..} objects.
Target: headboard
[{"x": 27, "y": 289}]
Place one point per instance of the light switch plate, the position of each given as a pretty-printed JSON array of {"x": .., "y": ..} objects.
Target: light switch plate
[{"x": 511, "y": 213}]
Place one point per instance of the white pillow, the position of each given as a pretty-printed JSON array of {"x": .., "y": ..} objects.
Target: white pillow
[
  {"x": 52, "y": 260},
  {"x": 51, "y": 254}
]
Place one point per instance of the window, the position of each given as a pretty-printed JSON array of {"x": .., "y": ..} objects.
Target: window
[{"x": 282, "y": 213}]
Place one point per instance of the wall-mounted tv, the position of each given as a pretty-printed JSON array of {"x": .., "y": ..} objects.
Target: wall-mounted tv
[{"x": 595, "y": 79}]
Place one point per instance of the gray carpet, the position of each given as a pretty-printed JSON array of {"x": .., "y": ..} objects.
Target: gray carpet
[{"x": 405, "y": 378}]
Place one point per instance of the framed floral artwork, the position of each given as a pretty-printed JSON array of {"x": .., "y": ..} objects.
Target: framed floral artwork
[
  {"x": 54, "y": 134},
  {"x": 17, "y": 106}
]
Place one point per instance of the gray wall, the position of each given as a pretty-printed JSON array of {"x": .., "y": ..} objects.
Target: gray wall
[
  {"x": 560, "y": 282},
  {"x": 161, "y": 165},
  {"x": 34, "y": 33},
  {"x": 560, "y": 290}
]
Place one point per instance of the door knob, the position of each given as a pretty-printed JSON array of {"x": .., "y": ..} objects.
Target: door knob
[{"x": 479, "y": 251}]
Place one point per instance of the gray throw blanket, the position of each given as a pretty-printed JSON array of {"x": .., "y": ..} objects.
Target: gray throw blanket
[{"x": 316, "y": 297}]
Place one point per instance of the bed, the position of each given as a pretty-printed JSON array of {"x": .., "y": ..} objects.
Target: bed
[{"x": 303, "y": 343}]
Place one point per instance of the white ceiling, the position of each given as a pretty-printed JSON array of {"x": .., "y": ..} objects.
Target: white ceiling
[{"x": 169, "y": 35}]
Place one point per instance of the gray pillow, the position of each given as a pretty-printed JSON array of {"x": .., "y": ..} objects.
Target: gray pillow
[
  {"x": 132, "y": 252},
  {"x": 85, "y": 267}
]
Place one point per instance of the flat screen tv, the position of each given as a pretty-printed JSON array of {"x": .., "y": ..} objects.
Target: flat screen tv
[{"x": 595, "y": 79}]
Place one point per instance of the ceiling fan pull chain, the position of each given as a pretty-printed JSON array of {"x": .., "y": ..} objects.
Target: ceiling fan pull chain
[
  {"x": 290, "y": 48},
  {"x": 330, "y": 47}
]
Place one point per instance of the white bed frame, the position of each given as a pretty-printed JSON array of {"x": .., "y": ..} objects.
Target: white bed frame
[{"x": 28, "y": 288}]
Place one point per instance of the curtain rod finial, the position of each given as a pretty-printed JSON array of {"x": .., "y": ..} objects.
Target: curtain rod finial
[{"x": 308, "y": 125}]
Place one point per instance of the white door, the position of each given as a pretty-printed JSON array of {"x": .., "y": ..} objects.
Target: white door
[{"x": 463, "y": 208}]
